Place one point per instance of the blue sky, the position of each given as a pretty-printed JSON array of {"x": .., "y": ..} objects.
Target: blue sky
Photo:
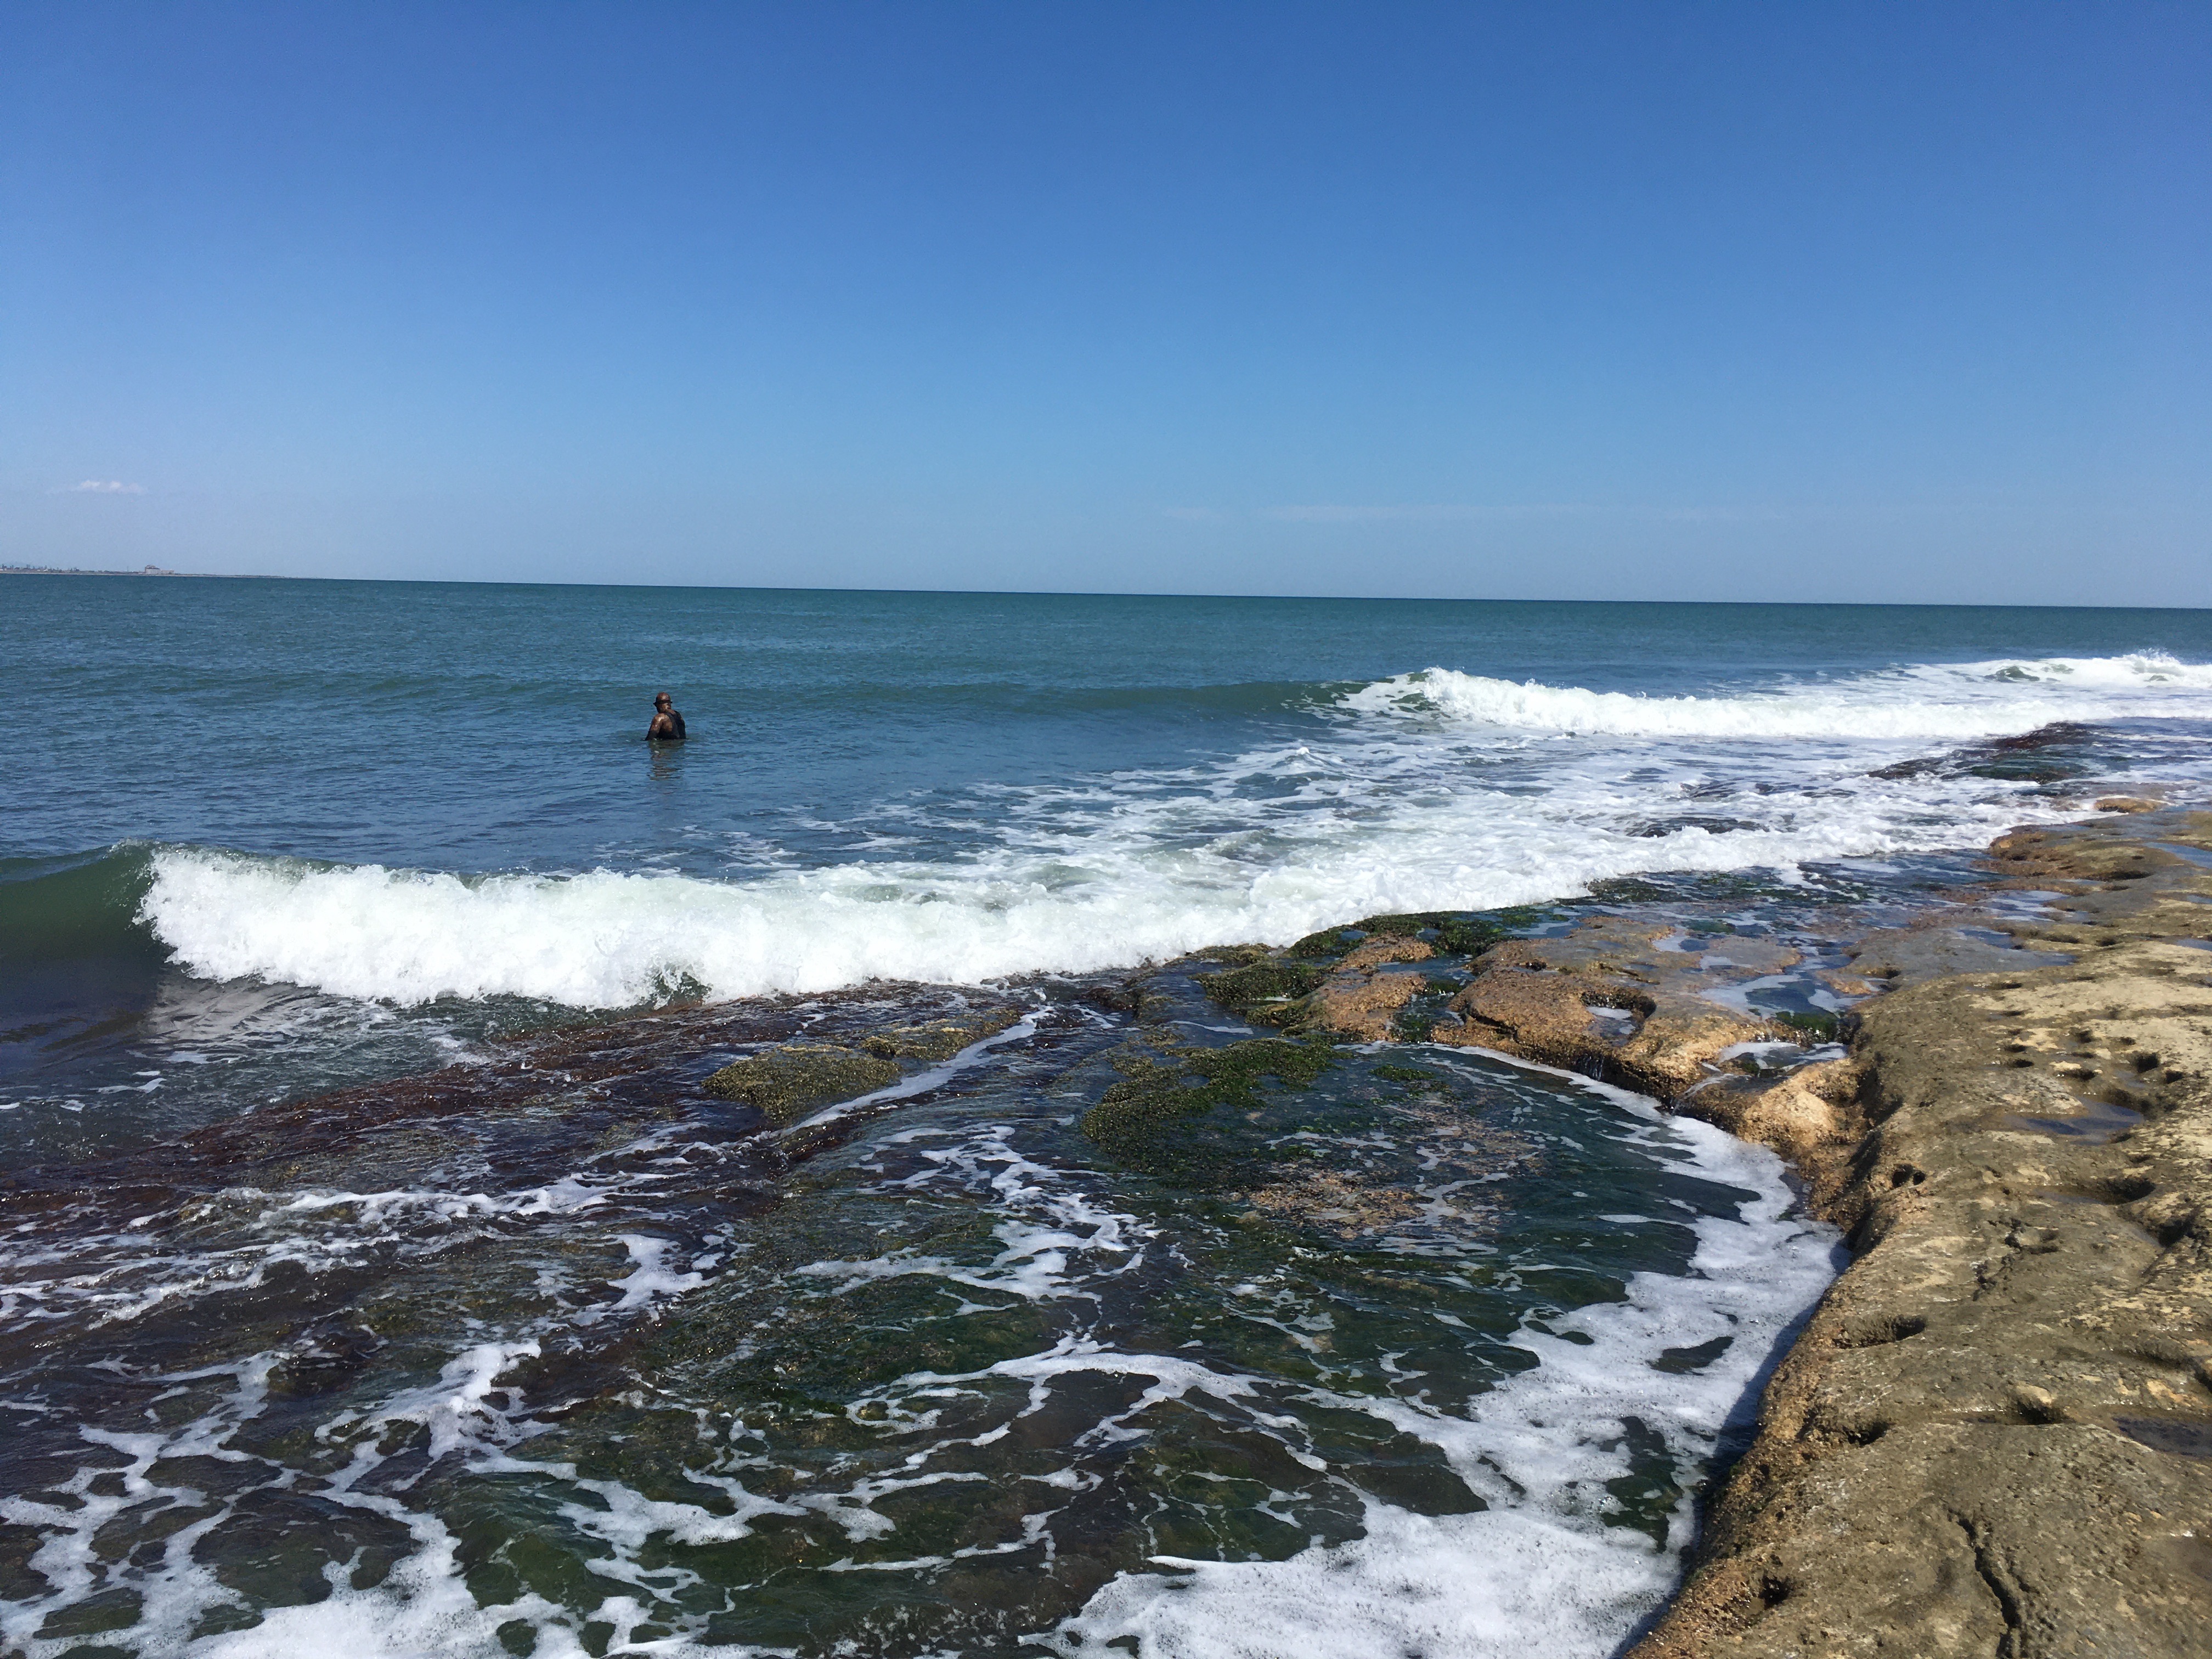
[{"x": 1647, "y": 300}]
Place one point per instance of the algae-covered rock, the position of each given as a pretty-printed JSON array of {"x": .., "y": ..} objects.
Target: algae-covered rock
[
  {"x": 940, "y": 1039},
  {"x": 1262, "y": 991},
  {"x": 1358, "y": 999},
  {"x": 787, "y": 1081},
  {"x": 1326, "y": 945},
  {"x": 1328, "y": 981},
  {"x": 1184, "y": 1120},
  {"x": 1455, "y": 932}
]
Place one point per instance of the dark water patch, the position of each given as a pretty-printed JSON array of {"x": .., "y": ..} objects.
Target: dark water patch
[
  {"x": 2178, "y": 1437},
  {"x": 2050, "y": 753},
  {"x": 2097, "y": 1121}
]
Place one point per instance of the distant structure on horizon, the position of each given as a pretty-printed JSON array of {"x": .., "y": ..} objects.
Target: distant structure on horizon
[
  {"x": 146, "y": 570},
  {"x": 72, "y": 570}
]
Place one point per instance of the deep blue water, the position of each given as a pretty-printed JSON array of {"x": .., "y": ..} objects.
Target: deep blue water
[{"x": 489, "y": 727}]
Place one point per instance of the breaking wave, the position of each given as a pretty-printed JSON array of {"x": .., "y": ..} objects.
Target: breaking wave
[
  {"x": 1433, "y": 791},
  {"x": 1954, "y": 703}
]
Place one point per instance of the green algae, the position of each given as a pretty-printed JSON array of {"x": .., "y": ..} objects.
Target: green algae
[
  {"x": 1415, "y": 1023},
  {"x": 1249, "y": 988},
  {"x": 939, "y": 1039},
  {"x": 1185, "y": 1121},
  {"x": 795, "y": 1079},
  {"x": 1238, "y": 955},
  {"x": 1326, "y": 945},
  {"x": 789, "y": 1081},
  {"x": 1825, "y": 1026},
  {"x": 1453, "y": 932}
]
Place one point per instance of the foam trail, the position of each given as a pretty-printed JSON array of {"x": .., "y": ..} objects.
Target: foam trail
[{"x": 1540, "y": 1574}]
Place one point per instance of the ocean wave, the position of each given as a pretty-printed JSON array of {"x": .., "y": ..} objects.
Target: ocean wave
[
  {"x": 1378, "y": 813},
  {"x": 608, "y": 939},
  {"x": 2004, "y": 697},
  {"x": 76, "y": 906}
]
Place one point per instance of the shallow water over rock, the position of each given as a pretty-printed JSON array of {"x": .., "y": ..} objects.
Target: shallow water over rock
[{"x": 563, "y": 1352}]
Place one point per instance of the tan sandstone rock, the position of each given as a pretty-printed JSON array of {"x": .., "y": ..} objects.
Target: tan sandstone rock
[{"x": 1994, "y": 1435}]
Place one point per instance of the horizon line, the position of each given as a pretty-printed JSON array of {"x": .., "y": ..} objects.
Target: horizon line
[{"x": 1067, "y": 593}]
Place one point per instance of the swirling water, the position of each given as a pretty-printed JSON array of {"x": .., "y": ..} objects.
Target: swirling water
[{"x": 549, "y": 1350}]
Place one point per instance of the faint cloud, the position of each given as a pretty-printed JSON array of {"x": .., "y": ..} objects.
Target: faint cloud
[
  {"x": 1428, "y": 512},
  {"x": 1473, "y": 512},
  {"x": 102, "y": 487},
  {"x": 1717, "y": 514},
  {"x": 1438, "y": 513}
]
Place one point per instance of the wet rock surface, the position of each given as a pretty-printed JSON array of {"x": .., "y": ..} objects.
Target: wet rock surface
[
  {"x": 1623, "y": 999},
  {"x": 1992, "y": 1437}
]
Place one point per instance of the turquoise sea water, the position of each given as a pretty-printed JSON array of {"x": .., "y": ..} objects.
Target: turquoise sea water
[
  {"x": 389, "y": 796},
  {"x": 556, "y": 1354}
]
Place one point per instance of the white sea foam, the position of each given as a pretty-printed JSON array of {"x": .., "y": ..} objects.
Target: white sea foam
[
  {"x": 1046, "y": 1224},
  {"x": 1949, "y": 702},
  {"x": 1546, "y": 1571},
  {"x": 1434, "y": 791}
]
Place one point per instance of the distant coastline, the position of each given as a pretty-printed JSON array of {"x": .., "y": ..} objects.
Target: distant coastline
[{"x": 146, "y": 570}]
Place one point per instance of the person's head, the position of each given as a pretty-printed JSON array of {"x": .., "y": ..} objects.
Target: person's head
[{"x": 661, "y": 702}]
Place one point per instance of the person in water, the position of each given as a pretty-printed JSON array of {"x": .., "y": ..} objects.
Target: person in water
[{"x": 667, "y": 724}]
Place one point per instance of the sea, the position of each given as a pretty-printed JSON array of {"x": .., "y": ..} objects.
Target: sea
[{"x": 378, "y": 1277}]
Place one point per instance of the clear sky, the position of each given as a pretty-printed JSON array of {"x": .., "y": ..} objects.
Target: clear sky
[{"x": 1702, "y": 300}]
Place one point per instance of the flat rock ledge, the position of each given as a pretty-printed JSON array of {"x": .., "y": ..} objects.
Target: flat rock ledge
[{"x": 1994, "y": 1436}]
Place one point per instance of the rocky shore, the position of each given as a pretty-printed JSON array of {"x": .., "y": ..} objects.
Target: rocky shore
[{"x": 1994, "y": 1436}]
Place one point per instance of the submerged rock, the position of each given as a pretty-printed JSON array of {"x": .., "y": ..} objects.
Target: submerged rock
[
  {"x": 940, "y": 1039},
  {"x": 1265, "y": 991},
  {"x": 791, "y": 1080},
  {"x": 1185, "y": 1118}
]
